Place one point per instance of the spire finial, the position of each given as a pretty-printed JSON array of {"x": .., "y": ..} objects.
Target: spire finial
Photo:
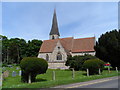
[{"x": 55, "y": 8}]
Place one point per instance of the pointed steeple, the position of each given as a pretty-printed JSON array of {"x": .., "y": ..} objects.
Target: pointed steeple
[{"x": 54, "y": 29}]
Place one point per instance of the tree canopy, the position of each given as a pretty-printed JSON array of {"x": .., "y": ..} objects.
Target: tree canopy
[
  {"x": 108, "y": 47},
  {"x": 32, "y": 66},
  {"x": 15, "y": 49},
  {"x": 76, "y": 62},
  {"x": 94, "y": 65}
]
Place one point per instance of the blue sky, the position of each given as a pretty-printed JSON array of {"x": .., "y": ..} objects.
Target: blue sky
[{"x": 79, "y": 19}]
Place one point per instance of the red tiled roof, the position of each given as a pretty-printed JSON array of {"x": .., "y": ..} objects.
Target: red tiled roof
[
  {"x": 83, "y": 44},
  {"x": 69, "y": 44}
]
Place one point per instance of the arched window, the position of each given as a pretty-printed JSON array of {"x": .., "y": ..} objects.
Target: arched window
[
  {"x": 59, "y": 56},
  {"x": 47, "y": 57},
  {"x": 53, "y": 37}
]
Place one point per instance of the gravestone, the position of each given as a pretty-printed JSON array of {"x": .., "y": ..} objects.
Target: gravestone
[
  {"x": 20, "y": 72},
  {"x": 13, "y": 74},
  {"x": 5, "y": 74},
  {"x": 3, "y": 68},
  {"x": 17, "y": 68},
  {"x": 1, "y": 80},
  {"x": 9, "y": 66}
]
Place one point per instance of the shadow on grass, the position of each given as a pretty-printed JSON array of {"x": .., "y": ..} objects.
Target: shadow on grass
[
  {"x": 85, "y": 74},
  {"x": 40, "y": 79}
]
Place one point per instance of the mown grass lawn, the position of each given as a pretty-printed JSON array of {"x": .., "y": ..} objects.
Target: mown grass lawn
[{"x": 45, "y": 80}]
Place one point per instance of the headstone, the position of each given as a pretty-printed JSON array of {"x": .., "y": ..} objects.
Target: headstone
[
  {"x": 17, "y": 68},
  {"x": 9, "y": 66},
  {"x": 4, "y": 68},
  {"x": 13, "y": 74},
  {"x": 20, "y": 72},
  {"x": 1, "y": 79},
  {"x": 6, "y": 74}
]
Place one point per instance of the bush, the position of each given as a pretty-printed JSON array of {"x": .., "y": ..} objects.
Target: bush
[
  {"x": 93, "y": 65},
  {"x": 76, "y": 62},
  {"x": 32, "y": 66},
  {"x": 4, "y": 65}
]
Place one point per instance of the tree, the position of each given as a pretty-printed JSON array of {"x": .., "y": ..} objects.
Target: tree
[
  {"x": 94, "y": 65},
  {"x": 0, "y": 50},
  {"x": 15, "y": 49},
  {"x": 76, "y": 62},
  {"x": 33, "y": 47},
  {"x": 108, "y": 47},
  {"x": 32, "y": 66},
  {"x": 5, "y": 53}
]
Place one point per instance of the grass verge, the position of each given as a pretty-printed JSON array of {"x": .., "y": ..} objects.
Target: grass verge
[{"x": 45, "y": 80}]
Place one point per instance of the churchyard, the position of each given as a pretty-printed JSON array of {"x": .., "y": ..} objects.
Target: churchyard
[{"x": 12, "y": 77}]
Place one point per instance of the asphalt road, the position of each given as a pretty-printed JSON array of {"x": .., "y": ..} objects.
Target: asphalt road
[
  {"x": 111, "y": 82},
  {"x": 105, "y": 84}
]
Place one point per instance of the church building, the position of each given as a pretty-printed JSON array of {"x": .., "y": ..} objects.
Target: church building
[{"x": 56, "y": 49}]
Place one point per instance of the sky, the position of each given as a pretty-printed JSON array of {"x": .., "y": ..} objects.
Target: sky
[{"x": 33, "y": 20}]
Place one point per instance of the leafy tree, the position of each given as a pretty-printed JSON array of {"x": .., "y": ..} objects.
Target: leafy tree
[
  {"x": 108, "y": 47},
  {"x": 93, "y": 65},
  {"x": 0, "y": 50},
  {"x": 32, "y": 66},
  {"x": 76, "y": 62},
  {"x": 5, "y": 47},
  {"x": 33, "y": 47},
  {"x": 15, "y": 49}
]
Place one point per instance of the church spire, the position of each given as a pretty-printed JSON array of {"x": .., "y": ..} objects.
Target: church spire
[{"x": 54, "y": 33}]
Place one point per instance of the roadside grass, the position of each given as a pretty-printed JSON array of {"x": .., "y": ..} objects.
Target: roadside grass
[{"x": 45, "y": 80}]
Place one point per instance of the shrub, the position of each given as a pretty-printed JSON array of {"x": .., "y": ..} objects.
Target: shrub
[
  {"x": 93, "y": 65},
  {"x": 32, "y": 66},
  {"x": 4, "y": 65},
  {"x": 76, "y": 62}
]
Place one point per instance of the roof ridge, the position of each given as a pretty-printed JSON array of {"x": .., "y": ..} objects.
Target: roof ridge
[
  {"x": 66, "y": 38},
  {"x": 84, "y": 38},
  {"x": 57, "y": 39}
]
